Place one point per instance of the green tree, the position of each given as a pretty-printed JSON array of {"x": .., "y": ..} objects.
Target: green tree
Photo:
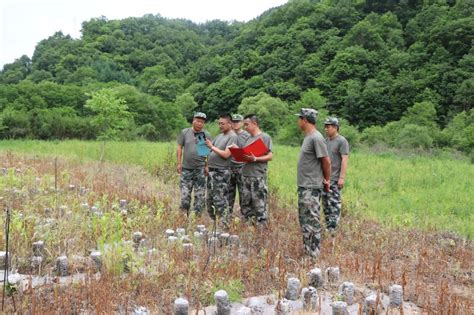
[
  {"x": 459, "y": 133},
  {"x": 166, "y": 118},
  {"x": 271, "y": 111},
  {"x": 421, "y": 114},
  {"x": 414, "y": 137},
  {"x": 186, "y": 104},
  {"x": 111, "y": 116},
  {"x": 290, "y": 133},
  {"x": 15, "y": 123},
  {"x": 465, "y": 94},
  {"x": 16, "y": 71}
]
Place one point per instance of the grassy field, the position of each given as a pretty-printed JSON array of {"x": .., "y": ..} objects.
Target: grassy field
[
  {"x": 433, "y": 193},
  {"x": 74, "y": 205}
]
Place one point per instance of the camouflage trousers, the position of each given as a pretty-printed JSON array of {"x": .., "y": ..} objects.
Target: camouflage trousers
[
  {"x": 332, "y": 206},
  {"x": 217, "y": 194},
  {"x": 308, "y": 214},
  {"x": 254, "y": 199},
  {"x": 235, "y": 184},
  {"x": 193, "y": 179}
]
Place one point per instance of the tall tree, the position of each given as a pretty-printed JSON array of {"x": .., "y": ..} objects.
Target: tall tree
[{"x": 111, "y": 116}]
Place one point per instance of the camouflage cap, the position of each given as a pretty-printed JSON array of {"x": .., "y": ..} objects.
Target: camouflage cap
[
  {"x": 310, "y": 114},
  {"x": 332, "y": 121},
  {"x": 237, "y": 117},
  {"x": 200, "y": 115}
]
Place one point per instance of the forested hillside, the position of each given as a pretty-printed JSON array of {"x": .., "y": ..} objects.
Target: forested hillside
[{"x": 366, "y": 61}]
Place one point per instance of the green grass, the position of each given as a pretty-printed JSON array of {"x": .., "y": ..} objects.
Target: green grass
[
  {"x": 147, "y": 154},
  {"x": 413, "y": 191}
]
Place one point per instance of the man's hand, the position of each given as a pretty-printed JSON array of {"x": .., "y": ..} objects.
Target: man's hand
[
  {"x": 327, "y": 185},
  {"x": 340, "y": 183},
  {"x": 209, "y": 144},
  {"x": 250, "y": 158},
  {"x": 179, "y": 168}
]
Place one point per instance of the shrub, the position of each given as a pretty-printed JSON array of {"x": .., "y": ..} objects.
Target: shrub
[{"x": 414, "y": 136}]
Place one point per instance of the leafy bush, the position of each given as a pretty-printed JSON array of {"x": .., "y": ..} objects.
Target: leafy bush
[
  {"x": 272, "y": 112},
  {"x": 146, "y": 131},
  {"x": 350, "y": 133},
  {"x": 414, "y": 137},
  {"x": 460, "y": 132}
]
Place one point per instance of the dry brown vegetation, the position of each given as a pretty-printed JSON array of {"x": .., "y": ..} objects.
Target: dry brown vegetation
[{"x": 435, "y": 268}]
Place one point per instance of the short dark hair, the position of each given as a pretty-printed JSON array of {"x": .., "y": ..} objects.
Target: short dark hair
[
  {"x": 226, "y": 116},
  {"x": 253, "y": 118},
  {"x": 337, "y": 126}
]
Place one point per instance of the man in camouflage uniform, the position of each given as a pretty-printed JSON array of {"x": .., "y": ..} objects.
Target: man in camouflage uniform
[
  {"x": 236, "y": 167},
  {"x": 338, "y": 149},
  {"x": 254, "y": 175},
  {"x": 191, "y": 165},
  {"x": 314, "y": 170},
  {"x": 219, "y": 172}
]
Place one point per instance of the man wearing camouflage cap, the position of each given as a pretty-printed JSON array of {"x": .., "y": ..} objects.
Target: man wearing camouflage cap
[
  {"x": 236, "y": 167},
  {"x": 314, "y": 172},
  {"x": 192, "y": 165},
  {"x": 338, "y": 149}
]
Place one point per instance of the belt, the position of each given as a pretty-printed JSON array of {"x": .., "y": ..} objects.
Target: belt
[{"x": 213, "y": 169}]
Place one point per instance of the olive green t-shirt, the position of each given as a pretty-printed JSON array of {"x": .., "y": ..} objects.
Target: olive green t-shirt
[
  {"x": 310, "y": 170},
  {"x": 222, "y": 141},
  {"x": 241, "y": 138},
  {"x": 337, "y": 147},
  {"x": 191, "y": 159},
  {"x": 257, "y": 169}
]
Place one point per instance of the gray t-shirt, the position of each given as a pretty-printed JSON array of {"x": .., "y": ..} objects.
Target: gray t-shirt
[
  {"x": 336, "y": 148},
  {"x": 257, "y": 169},
  {"x": 310, "y": 170},
  {"x": 191, "y": 159},
  {"x": 222, "y": 141},
  {"x": 241, "y": 138}
]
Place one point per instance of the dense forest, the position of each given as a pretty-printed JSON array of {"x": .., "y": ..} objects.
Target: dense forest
[{"x": 396, "y": 71}]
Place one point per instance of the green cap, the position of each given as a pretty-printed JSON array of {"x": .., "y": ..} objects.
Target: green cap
[
  {"x": 200, "y": 115},
  {"x": 310, "y": 114},
  {"x": 237, "y": 117},
  {"x": 332, "y": 121}
]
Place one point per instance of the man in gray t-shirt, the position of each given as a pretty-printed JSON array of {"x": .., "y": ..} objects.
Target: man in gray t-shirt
[
  {"x": 314, "y": 172},
  {"x": 236, "y": 167},
  {"x": 219, "y": 172},
  {"x": 191, "y": 164},
  {"x": 254, "y": 175},
  {"x": 338, "y": 149}
]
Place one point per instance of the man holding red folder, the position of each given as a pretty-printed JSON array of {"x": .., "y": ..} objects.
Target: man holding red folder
[
  {"x": 254, "y": 173},
  {"x": 237, "y": 166}
]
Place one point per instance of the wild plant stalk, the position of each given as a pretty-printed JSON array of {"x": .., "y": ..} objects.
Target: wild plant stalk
[{"x": 5, "y": 274}]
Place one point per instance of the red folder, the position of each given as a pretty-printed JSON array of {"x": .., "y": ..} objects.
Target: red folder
[{"x": 257, "y": 148}]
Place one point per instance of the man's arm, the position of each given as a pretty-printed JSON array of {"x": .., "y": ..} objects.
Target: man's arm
[
  {"x": 179, "y": 155},
  {"x": 267, "y": 157},
  {"x": 264, "y": 158},
  {"x": 253, "y": 159},
  {"x": 225, "y": 154},
  {"x": 326, "y": 165},
  {"x": 342, "y": 176}
]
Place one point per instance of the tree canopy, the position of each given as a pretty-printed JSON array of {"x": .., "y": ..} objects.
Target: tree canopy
[{"x": 371, "y": 61}]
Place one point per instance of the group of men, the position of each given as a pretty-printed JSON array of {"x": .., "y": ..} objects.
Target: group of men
[{"x": 321, "y": 172}]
